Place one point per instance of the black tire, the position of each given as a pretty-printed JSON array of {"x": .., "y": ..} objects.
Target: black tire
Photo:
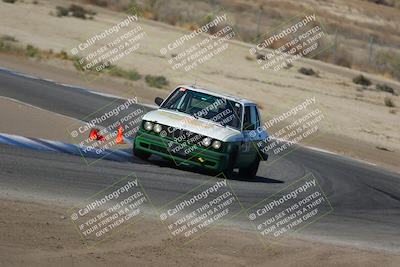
[
  {"x": 141, "y": 154},
  {"x": 251, "y": 171},
  {"x": 228, "y": 172}
]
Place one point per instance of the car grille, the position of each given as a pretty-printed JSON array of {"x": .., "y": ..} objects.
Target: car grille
[{"x": 180, "y": 135}]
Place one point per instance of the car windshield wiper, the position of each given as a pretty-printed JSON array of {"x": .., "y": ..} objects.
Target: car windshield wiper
[
  {"x": 226, "y": 126},
  {"x": 181, "y": 111},
  {"x": 173, "y": 109}
]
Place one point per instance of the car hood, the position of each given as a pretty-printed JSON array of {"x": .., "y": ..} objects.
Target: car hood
[{"x": 199, "y": 126}]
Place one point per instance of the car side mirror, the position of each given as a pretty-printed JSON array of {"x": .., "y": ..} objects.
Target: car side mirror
[{"x": 158, "y": 101}]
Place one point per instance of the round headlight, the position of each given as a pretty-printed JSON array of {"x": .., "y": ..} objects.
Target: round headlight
[
  {"x": 216, "y": 144},
  {"x": 148, "y": 126},
  {"x": 206, "y": 141},
  {"x": 157, "y": 128}
]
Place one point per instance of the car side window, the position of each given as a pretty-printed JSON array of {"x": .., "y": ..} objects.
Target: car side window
[
  {"x": 255, "y": 117},
  {"x": 249, "y": 118}
]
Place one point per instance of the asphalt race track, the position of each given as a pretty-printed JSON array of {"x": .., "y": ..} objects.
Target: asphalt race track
[{"x": 365, "y": 198}]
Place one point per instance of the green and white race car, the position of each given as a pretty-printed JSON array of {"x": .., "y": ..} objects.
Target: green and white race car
[{"x": 201, "y": 128}]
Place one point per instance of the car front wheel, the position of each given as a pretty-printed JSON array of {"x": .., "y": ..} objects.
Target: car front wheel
[
  {"x": 140, "y": 154},
  {"x": 251, "y": 171}
]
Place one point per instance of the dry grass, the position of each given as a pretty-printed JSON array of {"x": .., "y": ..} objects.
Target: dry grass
[{"x": 362, "y": 31}]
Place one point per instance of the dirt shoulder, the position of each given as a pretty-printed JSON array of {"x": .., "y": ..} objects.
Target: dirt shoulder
[
  {"x": 40, "y": 234},
  {"x": 25, "y": 120}
]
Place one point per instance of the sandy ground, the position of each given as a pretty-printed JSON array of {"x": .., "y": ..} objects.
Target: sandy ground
[
  {"x": 22, "y": 119},
  {"x": 39, "y": 234}
]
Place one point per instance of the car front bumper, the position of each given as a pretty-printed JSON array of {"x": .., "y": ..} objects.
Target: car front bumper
[{"x": 200, "y": 157}]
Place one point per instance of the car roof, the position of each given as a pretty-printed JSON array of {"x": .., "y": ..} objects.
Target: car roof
[{"x": 243, "y": 101}]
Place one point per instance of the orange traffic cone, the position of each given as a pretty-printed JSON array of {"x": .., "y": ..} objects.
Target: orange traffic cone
[
  {"x": 94, "y": 135},
  {"x": 120, "y": 136}
]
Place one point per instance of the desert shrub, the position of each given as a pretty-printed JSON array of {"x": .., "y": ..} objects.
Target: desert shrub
[
  {"x": 133, "y": 75},
  {"x": 9, "y": 47},
  {"x": 4, "y": 46},
  {"x": 10, "y": 1},
  {"x": 62, "y": 55},
  {"x": 81, "y": 65},
  {"x": 288, "y": 66},
  {"x": 135, "y": 8},
  {"x": 156, "y": 81},
  {"x": 102, "y": 3},
  {"x": 61, "y": 11},
  {"x": 9, "y": 44},
  {"x": 8, "y": 38},
  {"x": 75, "y": 11},
  {"x": 78, "y": 11},
  {"x": 77, "y": 65},
  {"x": 308, "y": 71},
  {"x": 382, "y": 2},
  {"x": 385, "y": 88},
  {"x": 213, "y": 29},
  {"x": 388, "y": 102},
  {"x": 127, "y": 74},
  {"x": 260, "y": 56},
  {"x": 32, "y": 51},
  {"x": 389, "y": 61},
  {"x": 362, "y": 80}
]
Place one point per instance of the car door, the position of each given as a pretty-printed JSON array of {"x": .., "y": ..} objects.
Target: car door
[{"x": 247, "y": 149}]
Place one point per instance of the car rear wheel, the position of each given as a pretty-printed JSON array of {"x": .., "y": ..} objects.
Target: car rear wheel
[
  {"x": 141, "y": 154},
  {"x": 251, "y": 171}
]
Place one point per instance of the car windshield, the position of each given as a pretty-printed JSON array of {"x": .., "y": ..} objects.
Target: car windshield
[{"x": 201, "y": 105}]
